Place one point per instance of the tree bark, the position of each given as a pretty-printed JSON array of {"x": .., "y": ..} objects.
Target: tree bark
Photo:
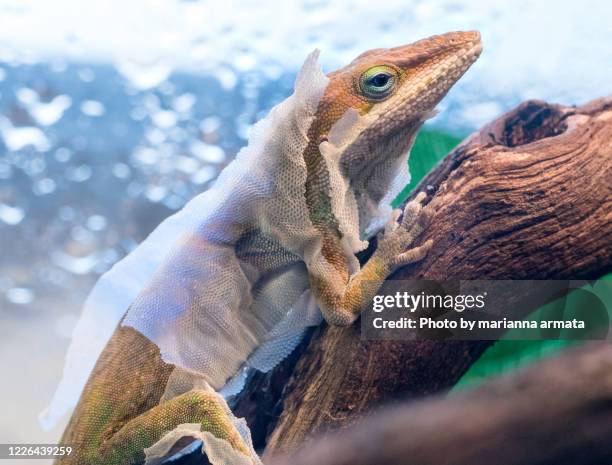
[
  {"x": 526, "y": 197},
  {"x": 559, "y": 412}
]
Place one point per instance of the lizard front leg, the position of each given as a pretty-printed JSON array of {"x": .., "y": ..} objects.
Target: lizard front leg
[{"x": 342, "y": 299}]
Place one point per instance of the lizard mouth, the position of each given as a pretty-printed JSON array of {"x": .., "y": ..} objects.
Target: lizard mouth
[
  {"x": 432, "y": 66},
  {"x": 394, "y": 126},
  {"x": 433, "y": 76},
  {"x": 446, "y": 74}
]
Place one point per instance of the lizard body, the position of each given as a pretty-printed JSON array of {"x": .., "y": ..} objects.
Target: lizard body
[{"x": 240, "y": 283}]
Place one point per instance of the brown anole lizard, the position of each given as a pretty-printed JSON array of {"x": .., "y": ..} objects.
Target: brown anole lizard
[{"x": 273, "y": 239}]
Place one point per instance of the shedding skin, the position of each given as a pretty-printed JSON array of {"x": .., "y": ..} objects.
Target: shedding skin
[
  {"x": 113, "y": 426},
  {"x": 425, "y": 71}
]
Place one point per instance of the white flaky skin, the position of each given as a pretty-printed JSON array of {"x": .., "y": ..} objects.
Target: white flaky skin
[
  {"x": 185, "y": 286},
  {"x": 189, "y": 286},
  {"x": 223, "y": 286}
]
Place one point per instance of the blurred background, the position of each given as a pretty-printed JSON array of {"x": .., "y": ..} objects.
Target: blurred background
[{"x": 114, "y": 113}]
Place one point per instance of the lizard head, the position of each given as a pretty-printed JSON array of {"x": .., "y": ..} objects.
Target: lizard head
[{"x": 372, "y": 108}]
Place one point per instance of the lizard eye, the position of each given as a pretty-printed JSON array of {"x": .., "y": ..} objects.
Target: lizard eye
[{"x": 378, "y": 82}]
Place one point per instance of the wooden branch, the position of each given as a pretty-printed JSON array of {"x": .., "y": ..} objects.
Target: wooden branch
[
  {"x": 527, "y": 197},
  {"x": 558, "y": 412}
]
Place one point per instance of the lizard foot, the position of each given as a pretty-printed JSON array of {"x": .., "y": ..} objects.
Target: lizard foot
[{"x": 399, "y": 235}]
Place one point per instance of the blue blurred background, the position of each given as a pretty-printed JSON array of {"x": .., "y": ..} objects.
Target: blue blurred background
[{"x": 113, "y": 114}]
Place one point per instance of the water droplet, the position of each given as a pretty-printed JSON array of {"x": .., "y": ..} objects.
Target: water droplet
[
  {"x": 207, "y": 152},
  {"x": 17, "y": 138},
  {"x": 44, "y": 186},
  {"x": 146, "y": 155},
  {"x": 203, "y": 175},
  {"x": 75, "y": 265},
  {"x": 210, "y": 124},
  {"x": 26, "y": 95},
  {"x": 156, "y": 193},
  {"x": 145, "y": 75},
  {"x": 184, "y": 102},
  {"x": 155, "y": 136},
  {"x": 164, "y": 118},
  {"x": 20, "y": 295},
  {"x": 92, "y": 108},
  {"x": 174, "y": 202},
  {"x": 80, "y": 173},
  {"x": 96, "y": 222},
  {"x": 47, "y": 114},
  {"x": 226, "y": 77},
  {"x": 63, "y": 154},
  {"x": 186, "y": 164},
  {"x": 82, "y": 235},
  {"x": 121, "y": 170},
  {"x": 34, "y": 166},
  {"x": 11, "y": 215}
]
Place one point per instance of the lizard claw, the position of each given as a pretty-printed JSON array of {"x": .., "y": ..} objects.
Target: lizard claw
[
  {"x": 392, "y": 224},
  {"x": 412, "y": 209},
  {"x": 413, "y": 255},
  {"x": 398, "y": 236}
]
